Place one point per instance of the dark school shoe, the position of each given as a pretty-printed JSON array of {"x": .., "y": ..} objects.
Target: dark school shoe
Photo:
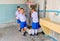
[
  {"x": 25, "y": 33},
  {"x": 19, "y": 30},
  {"x": 32, "y": 35}
]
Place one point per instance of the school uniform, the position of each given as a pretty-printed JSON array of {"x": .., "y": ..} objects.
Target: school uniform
[
  {"x": 35, "y": 23},
  {"x": 22, "y": 19},
  {"x": 17, "y": 13}
]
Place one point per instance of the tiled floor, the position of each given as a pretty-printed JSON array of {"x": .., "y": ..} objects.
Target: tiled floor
[{"x": 12, "y": 34}]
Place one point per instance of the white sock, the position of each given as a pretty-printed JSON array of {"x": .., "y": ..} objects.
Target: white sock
[
  {"x": 36, "y": 30},
  {"x": 25, "y": 27},
  {"x": 32, "y": 31},
  {"x": 28, "y": 30}
]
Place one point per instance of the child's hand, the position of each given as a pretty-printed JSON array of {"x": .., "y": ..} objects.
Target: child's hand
[
  {"x": 16, "y": 17},
  {"x": 26, "y": 20}
]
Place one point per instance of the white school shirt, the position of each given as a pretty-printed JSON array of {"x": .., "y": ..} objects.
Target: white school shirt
[
  {"x": 34, "y": 16},
  {"x": 21, "y": 17},
  {"x": 17, "y": 13}
]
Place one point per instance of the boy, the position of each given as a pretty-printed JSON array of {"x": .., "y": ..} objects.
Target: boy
[
  {"x": 18, "y": 21},
  {"x": 35, "y": 23},
  {"x": 23, "y": 24}
]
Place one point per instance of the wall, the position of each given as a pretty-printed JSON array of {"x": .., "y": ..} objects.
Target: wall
[
  {"x": 12, "y": 1},
  {"x": 7, "y": 10},
  {"x": 53, "y": 5},
  {"x": 52, "y": 8},
  {"x": 41, "y": 7}
]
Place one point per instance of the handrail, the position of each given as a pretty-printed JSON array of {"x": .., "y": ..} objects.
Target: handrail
[
  {"x": 49, "y": 11},
  {"x": 57, "y": 11}
]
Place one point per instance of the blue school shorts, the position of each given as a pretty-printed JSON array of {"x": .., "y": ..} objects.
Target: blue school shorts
[
  {"x": 18, "y": 21},
  {"x": 23, "y": 24},
  {"x": 35, "y": 25}
]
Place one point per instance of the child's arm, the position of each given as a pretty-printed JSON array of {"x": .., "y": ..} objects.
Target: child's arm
[
  {"x": 16, "y": 13},
  {"x": 17, "y": 17}
]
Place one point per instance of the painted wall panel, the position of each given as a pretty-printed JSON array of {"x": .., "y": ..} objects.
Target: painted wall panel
[{"x": 7, "y": 12}]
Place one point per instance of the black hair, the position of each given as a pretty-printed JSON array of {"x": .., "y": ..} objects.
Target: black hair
[
  {"x": 33, "y": 9},
  {"x": 22, "y": 8},
  {"x": 18, "y": 6},
  {"x": 27, "y": 0}
]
